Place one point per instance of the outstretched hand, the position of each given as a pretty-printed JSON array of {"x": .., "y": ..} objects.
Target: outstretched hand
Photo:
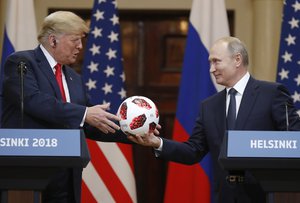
[
  {"x": 147, "y": 139},
  {"x": 98, "y": 117}
]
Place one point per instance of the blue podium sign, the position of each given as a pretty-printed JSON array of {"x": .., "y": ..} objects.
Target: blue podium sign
[
  {"x": 265, "y": 144},
  {"x": 39, "y": 142}
]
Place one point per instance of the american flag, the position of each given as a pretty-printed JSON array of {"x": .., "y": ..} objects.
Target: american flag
[
  {"x": 289, "y": 57},
  {"x": 109, "y": 176}
]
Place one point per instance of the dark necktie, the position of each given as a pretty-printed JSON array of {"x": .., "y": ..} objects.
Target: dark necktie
[
  {"x": 231, "y": 114},
  {"x": 58, "y": 76}
]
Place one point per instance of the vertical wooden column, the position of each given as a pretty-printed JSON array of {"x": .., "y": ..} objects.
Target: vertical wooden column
[{"x": 267, "y": 16}]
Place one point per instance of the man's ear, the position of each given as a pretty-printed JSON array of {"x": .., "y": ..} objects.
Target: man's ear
[
  {"x": 238, "y": 59},
  {"x": 52, "y": 41}
]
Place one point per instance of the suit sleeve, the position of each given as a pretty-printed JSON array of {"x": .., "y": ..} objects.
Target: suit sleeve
[
  {"x": 189, "y": 152},
  {"x": 95, "y": 134}
]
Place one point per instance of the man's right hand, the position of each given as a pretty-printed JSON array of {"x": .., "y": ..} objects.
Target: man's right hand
[
  {"x": 147, "y": 139},
  {"x": 98, "y": 117}
]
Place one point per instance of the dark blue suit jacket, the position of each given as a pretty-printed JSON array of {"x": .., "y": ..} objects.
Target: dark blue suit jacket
[
  {"x": 262, "y": 108},
  {"x": 44, "y": 108}
]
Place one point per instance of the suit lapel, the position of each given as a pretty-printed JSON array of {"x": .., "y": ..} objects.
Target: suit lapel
[
  {"x": 248, "y": 100},
  {"x": 47, "y": 70}
]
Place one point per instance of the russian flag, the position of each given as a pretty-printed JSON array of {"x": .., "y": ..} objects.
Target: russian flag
[
  {"x": 208, "y": 22},
  {"x": 19, "y": 32}
]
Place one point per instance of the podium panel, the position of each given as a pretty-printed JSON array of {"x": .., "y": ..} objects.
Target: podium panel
[
  {"x": 29, "y": 157},
  {"x": 272, "y": 157}
]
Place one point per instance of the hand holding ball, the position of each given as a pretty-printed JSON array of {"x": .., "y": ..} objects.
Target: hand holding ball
[{"x": 139, "y": 115}]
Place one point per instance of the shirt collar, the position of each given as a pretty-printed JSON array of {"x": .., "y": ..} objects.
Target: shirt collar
[
  {"x": 48, "y": 56},
  {"x": 241, "y": 84}
]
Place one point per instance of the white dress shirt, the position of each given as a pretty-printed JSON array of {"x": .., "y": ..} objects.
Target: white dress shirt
[
  {"x": 53, "y": 63},
  {"x": 239, "y": 87}
]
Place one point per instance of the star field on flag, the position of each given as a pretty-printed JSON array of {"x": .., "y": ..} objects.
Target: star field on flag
[
  {"x": 103, "y": 72},
  {"x": 288, "y": 71}
]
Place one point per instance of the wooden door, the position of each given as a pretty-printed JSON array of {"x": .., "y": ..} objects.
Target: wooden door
[{"x": 153, "y": 48}]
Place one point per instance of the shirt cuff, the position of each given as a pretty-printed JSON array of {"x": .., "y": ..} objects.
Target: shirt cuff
[
  {"x": 159, "y": 149},
  {"x": 83, "y": 119}
]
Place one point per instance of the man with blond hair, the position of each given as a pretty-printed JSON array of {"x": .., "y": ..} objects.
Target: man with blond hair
[{"x": 55, "y": 97}]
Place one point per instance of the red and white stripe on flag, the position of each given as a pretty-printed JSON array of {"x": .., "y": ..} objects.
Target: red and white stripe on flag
[{"x": 109, "y": 176}]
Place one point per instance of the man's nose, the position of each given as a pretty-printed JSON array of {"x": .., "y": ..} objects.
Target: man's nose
[
  {"x": 212, "y": 68},
  {"x": 79, "y": 45}
]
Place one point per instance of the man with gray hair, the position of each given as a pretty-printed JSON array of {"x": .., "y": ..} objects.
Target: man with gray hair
[
  {"x": 55, "y": 97},
  {"x": 244, "y": 104}
]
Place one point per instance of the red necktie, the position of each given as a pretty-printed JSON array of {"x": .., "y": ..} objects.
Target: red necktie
[{"x": 58, "y": 76}]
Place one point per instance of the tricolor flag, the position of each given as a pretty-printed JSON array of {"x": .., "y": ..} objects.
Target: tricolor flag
[
  {"x": 109, "y": 176},
  {"x": 20, "y": 31},
  {"x": 208, "y": 22},
  {"x": 288, "y": 70}
]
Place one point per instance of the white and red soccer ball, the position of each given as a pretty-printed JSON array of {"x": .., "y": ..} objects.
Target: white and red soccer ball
[{"x": 139, "y": 115}]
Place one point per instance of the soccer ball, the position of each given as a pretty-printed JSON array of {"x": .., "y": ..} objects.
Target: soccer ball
[{"x": 138, "y": 114}]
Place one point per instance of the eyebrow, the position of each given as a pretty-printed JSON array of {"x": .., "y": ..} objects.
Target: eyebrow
[{"x": 213, "y": 58}]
